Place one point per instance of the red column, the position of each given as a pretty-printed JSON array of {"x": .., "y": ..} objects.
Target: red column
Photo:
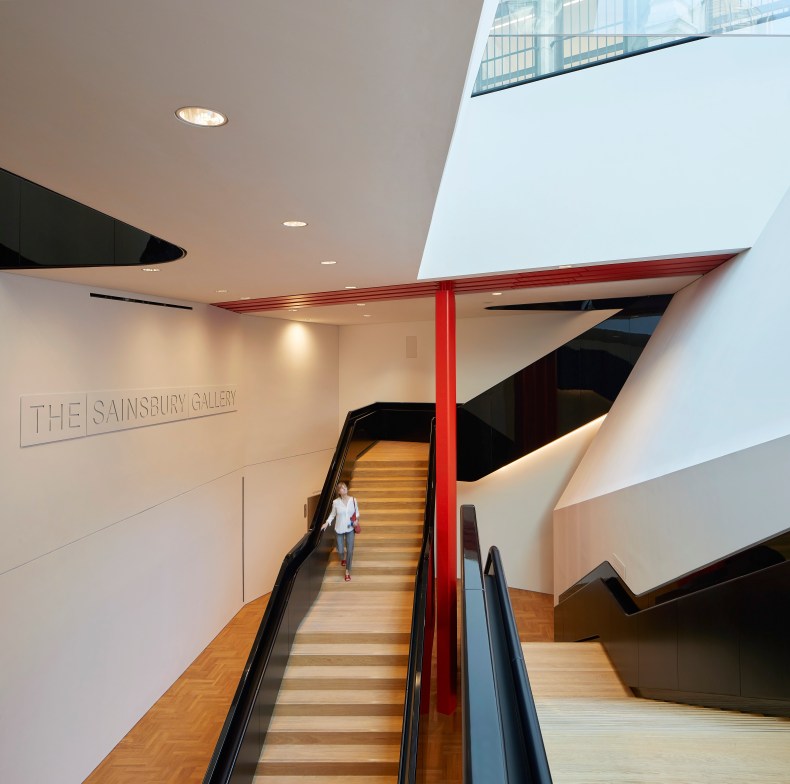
[{"x": 446, "y": 508}]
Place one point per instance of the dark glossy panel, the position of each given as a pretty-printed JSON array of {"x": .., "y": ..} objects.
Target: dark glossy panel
[
  {"x": 58, "y": 232},
  {"x": 418, "y": 670},
  {"x": 484, "y": 759},
  {"x": 483, "y": 746},
  {"x": 708, "y": 658},
  {"x": 555, "y": 395},
  {"x": 725, "y": 645},
  {"x": 620, "y": 639},
  {"x": 657, "y": 631},
  {"x": 765, "y": 635},
  {"x": 43, "y": 229},
  {"x": 9, "y": 219},
  {"x": 525, "y": 753}
]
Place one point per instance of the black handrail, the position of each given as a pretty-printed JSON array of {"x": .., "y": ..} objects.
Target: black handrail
[
  {"x": 531, "y": 737},
  {"x": 482, "y": 740},
  {"x": 421, "y": 622},
  {"x": 501, "y": 734},
  {"x": 237, "y": 751}
]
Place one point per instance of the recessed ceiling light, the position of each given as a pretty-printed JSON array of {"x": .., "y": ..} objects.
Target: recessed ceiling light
[
  {"x": 361, "y": 304},
  {"x": 292, "y": 224},
  {"x": 244, "y": 298},
  {"x": 366, "y": 315},
  {"x": 496, "y": 293},
  {"x": 150, "y": 269},
  {"x": 221, "y": 291},
  {"x": 200, "y": 116},
  {"x": 565, "y": 266},
  {"x": 293, "y": 310},
  {"x": 329, "y": 262},
  {"x": 350, "y": 287}
]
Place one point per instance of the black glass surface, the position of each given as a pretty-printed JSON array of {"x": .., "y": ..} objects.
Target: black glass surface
[
  {"x": 560, "y": 392},
  {"x": 40, "y": 229}
]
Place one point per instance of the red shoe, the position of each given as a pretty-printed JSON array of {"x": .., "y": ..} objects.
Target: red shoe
[
  {"x": 343, "y": 562},
  {"x": 348, "y": 578}
]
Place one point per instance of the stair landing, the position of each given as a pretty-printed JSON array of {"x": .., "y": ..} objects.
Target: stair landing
[{"x": 596, "y": 732}]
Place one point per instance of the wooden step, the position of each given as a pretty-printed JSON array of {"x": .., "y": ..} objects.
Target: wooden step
[
  {"x": 360, "y": 638},
  {"x": 366, "y": 462},
  {"x": 384, "y": 472},
  {"x": 314, "y": 759},
  {"x": 405, "y": 485}
]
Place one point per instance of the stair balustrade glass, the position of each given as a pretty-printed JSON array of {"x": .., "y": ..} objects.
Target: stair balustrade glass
[{"x": 535, "y": 39}]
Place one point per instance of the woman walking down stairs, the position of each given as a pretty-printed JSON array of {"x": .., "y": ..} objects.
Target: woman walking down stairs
[{"x": 340, "y": 709}]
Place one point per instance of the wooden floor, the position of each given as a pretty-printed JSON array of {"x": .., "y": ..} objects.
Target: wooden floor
[
  {"x": 595, "y": 730},
  {"x": 174, "y": 741}
]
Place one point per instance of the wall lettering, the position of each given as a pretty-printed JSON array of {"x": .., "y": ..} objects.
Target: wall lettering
[{"x": 48, "y": 418}]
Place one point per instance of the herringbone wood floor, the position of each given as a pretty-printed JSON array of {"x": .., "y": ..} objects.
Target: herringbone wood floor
[{"x": 173, "y": 742}]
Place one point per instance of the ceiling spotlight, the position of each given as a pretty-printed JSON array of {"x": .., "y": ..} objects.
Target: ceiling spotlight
[
  {"x": 360, "y": 304},
  {"x": 366, "y": 315},
  {"x": 294, "y": 224},
  {"x": 329, "y": 262},
  {"x": 350, "y": 287},
  {"x": 221, "y": 291},
  {"x": 242, "y": 299},
  {"x": 150, "y": 269},
  {"x": 293, "y": 310},
  {"x": 565, "y": 266},
  {"x": 496, "y": 293},
  {"x": 200, "y": 116}
]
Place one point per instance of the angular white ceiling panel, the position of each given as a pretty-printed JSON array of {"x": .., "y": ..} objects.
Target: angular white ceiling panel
[{"x": 674, "y": 152}]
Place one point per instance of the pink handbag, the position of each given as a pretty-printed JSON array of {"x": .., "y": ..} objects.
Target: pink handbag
[{"x": 357, "y": 526}]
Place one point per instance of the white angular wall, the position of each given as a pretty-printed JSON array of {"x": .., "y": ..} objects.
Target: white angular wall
[
  {"x": 673, "y": 152},
  {"x": 690, "y": 464}
]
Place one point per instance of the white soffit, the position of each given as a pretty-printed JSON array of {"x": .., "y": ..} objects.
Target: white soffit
[{"x": 340, "y": 114}]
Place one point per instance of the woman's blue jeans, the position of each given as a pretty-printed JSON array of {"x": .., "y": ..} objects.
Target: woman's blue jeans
[{"x": 345, "y": 548}]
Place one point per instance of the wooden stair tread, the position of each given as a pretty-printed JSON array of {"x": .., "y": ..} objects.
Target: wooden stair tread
[
  {"x": 366, "y": 649},
  {"x": 330, "y": 778},
  {"x": 336, "y": 724},
  {"x": 572, "y": 669},
  {"x": 350, "y": 753}
]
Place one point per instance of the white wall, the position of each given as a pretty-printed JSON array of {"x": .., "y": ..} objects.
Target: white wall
[
  {"x": 291, "y": 379},
  {"x": 122, "y": 552},
  {"x": 375, "y": 366},
  {"x": 515, "y": 504},
  {"x": 690, "y": 464},
  {"x": 677, "y": 151}
]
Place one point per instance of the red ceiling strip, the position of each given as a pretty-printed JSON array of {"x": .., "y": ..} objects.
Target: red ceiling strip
[{"x": 600, "y": 273}]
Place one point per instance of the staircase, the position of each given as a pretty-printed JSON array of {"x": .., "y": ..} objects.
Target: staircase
[
  {"x": 595, "y": 731},
  {"x": 340, "y": 710}
]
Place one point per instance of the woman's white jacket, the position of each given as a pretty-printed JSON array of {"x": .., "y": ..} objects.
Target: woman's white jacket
[{"x": 343, "y": 513}]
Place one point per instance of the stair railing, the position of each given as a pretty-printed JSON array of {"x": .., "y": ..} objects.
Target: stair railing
[{"x": 418, "y": 677}]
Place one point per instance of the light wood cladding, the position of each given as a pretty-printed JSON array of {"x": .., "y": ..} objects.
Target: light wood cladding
[{"x": 594, "y": 730}]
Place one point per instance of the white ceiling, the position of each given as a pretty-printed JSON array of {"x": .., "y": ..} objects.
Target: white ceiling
[{"x": 340, "y": 114}]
